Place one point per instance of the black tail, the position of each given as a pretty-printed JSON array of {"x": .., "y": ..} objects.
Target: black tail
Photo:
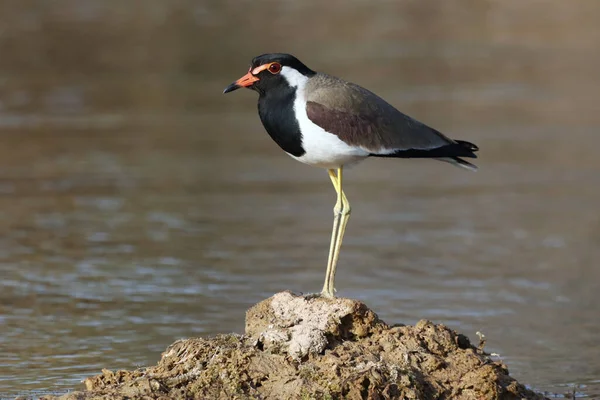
[
  {"x": 449, "y": 153},
  {"x": 459, "y": 148},
  {"x": 472, "y": 147}
]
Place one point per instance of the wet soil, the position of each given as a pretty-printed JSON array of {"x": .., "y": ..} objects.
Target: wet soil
[{"x": 298, "y": 347}]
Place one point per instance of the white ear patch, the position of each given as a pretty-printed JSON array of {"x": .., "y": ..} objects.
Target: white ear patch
[{"x": 293, "y": 77}]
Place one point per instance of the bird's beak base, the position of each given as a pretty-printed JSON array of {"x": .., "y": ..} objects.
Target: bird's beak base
[{"x": 245, "y": 81}]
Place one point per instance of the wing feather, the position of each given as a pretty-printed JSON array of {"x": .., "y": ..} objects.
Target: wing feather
[{"x": 361, "y": 118}]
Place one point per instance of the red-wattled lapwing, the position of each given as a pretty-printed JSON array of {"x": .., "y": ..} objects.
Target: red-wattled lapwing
[{"x": 327, "y": 122}]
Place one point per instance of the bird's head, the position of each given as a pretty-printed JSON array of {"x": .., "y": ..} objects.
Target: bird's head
[{"x": 270, "y": 71}]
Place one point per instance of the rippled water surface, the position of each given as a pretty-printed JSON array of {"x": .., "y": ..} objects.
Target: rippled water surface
[{"x": 139, "y": 205}]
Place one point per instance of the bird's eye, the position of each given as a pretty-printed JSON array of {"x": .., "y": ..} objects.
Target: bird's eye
[{"x": 275, "y": 68}]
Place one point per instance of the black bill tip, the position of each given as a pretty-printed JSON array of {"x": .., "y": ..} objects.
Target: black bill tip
[{"x": 231, "y": 88}]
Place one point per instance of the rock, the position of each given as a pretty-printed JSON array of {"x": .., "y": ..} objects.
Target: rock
[
  {"x": 299, "y": 347},
  {"x": 299, "y": 326}
]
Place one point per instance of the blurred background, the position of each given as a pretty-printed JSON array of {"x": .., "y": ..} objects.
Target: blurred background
[{"x": 138, "y": 205}]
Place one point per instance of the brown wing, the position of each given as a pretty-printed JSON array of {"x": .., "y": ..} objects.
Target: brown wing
[{"x": 361, "y": 118}]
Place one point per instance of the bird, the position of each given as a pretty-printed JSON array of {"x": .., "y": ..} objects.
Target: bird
[{"x": 327, "y": 122}]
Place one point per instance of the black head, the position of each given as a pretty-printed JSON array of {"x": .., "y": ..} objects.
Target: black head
[{"x": 265, "y": 72}]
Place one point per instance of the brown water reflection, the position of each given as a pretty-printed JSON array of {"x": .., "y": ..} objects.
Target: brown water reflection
[{"x": 138, "y": 205}]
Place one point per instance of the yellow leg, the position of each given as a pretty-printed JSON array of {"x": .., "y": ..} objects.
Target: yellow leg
[
  {"x": 344, "y": 213},
  {"x": 341, "y": 213},
  {"x": 328, "y": 290}
]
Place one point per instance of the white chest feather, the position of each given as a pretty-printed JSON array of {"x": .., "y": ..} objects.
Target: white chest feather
[{"x": 323, "y": 149}]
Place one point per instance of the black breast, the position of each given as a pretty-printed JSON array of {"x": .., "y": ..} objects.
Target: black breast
[{"x": 276, "y": 111}]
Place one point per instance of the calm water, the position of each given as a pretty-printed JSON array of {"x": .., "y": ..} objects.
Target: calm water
[{"x": 138, "y": 205}]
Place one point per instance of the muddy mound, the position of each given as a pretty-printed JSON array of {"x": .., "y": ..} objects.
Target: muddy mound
[{"x": 299, "y": 347}]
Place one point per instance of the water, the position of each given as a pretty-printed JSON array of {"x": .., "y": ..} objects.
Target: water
[{"x": 138, "y": 205}]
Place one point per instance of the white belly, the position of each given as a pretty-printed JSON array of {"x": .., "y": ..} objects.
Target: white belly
[{"x": 329, "y": 160}]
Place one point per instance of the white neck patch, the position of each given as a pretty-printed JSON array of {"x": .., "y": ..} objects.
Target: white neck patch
[{"x": 293, "y": 77}]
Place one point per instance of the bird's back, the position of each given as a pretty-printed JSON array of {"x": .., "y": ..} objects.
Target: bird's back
[{"x": 355, "y": 113}]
